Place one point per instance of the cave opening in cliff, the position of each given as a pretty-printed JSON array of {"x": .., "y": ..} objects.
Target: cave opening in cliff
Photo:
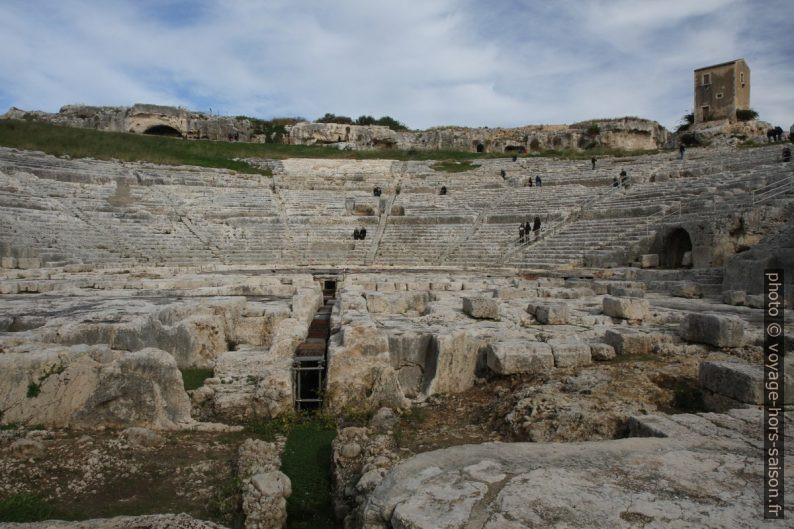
[
  {"x": 163, "y": 130},
  {"x": 676, "y": 244}
]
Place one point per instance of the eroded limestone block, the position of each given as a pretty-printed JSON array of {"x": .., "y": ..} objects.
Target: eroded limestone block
[
  {"x": 626, "y": 292},
  {"x": 552, "y": 314},
  {"x": 629, "y": 341},
  {"x": 719, "y": 331},
  {"x": 8, "y": 262},
  {"x": 650, "y": 260},
  {"x": 570, "y": 353},
  {"x": 265, "y": 500},
  {"x": 755, "y": 301},
  {"x": 519, "y": 356},
  {"x": 602, "y": 351},
  {"x": 626, "y": 308},
  {"x": 740, "y": 382},
  {"x": 481, "y": 307},
  {"x": 687, "y": 290},
  {"x": 27, "y": 263},
  {"x": 92, "y": 386},
  {"x": 734, "y": 297}
]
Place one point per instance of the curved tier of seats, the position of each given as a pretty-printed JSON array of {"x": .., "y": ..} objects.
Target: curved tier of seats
[{"x": 104, "y": 212}]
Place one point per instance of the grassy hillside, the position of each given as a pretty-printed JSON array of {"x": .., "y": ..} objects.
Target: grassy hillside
[{"x": 89, "y": 143}]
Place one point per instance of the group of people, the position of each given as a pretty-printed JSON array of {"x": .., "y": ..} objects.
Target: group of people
[
  {"x": 622, "y": 182},
  {"x": 359, "y": 234},
  {"x": 377, "y": 191},
  {"x": 525, "y": 229},
  {"x": 538, "y": 181}
]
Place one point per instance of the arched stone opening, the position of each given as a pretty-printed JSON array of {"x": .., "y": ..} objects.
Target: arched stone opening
[
  {"x": 675, "y": 246},
  {"x": 163, "y": 130},
  {"x": 480, "y": 147}
]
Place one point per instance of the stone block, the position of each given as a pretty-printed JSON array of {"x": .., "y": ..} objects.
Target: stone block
[
  {"x": 513, "y": 293},
  {"x": 600, "y": 288},
  {"x": 687, "y": 290},
  {"x": 8, "y": 262},
  {"x": 570, "y": 353},
  {"x": 552, "y": 314},
  {"x": 626, "y": 308},
  {"x": 602, "y": 351},
  {"x": 686, "y": 259},
  {"x": 734, "y": 297},
  {"x": 481, "y": 307},
  {"x": 629, "y": 341},
  {"x": 719, "y": 331},
  {"x": 756, "y": 301},
  {"x": 740, "y": 382},
  {"x": 519, "y": 356},
  {"x": 649, "y": 260},
  {"x": 626, "y": 292},
  {"x": 27, "y": 263}
]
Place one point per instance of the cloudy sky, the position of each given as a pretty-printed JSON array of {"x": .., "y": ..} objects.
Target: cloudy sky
[{"x": 426, "y": 63}]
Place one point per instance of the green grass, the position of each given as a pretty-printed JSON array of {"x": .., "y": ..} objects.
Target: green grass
[
  {"x": 307, "y": 462},
  {"x": 267, "y": 429},
  {"x": 454, "y": 166},
  {"x": 688, "y": 397},
  {"x": 194, "y": 377},
  {"x": 24, "y": 508},
  {"x": 33, "y": 390}
]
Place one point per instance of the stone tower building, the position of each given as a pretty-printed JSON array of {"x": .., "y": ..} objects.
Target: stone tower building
[{"x": 721, "y": 90}]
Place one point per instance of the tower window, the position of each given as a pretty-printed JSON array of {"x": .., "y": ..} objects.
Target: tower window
[
  {"x": 706, "y": 79},
  {"x": 719, "y": 95}
]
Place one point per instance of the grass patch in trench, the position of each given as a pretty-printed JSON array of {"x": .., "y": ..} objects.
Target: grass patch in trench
[
  {"x": 24, "y": 508},
  {"x": 194, "y": 377},
  {"x": 307, "y": 462}
]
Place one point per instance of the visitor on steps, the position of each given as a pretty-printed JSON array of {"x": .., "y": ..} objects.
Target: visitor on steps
[
  {"x": 363, "y": 233},
  {"x": 529, "y": 182},
  {"x": 376, "y": 191},
  {"x": 615, "y": 182},
  {"x": 786, "y": 154},
  {"x": 503, "y": 173},
  {"x": 443, "y": 190},
  {"x": 521, "y": 233},
  {"x": 681, "y": 151},
  {"x": 538, "y": 181},
  {"x": 356, "y": 234},
  {"x": 593, "y": 161},
  {"x": 624, "y": 179},
  {"x": 536, "y": 225},
  {"x": 527, "y": 228}
]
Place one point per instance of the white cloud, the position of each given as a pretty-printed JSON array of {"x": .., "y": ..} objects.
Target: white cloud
[{"x": 425, "y": 63}]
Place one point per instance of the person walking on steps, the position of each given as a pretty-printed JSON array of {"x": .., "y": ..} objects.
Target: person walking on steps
[
  {"x": 538, "y": 181},
  {"x": 593, "y": 161},
  {"x": 681, "y": 151}
]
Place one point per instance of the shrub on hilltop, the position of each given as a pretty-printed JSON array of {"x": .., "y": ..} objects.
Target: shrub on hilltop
[
  {"x": 385, "y": 121},
  {"x": 746, "y": 114}
]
